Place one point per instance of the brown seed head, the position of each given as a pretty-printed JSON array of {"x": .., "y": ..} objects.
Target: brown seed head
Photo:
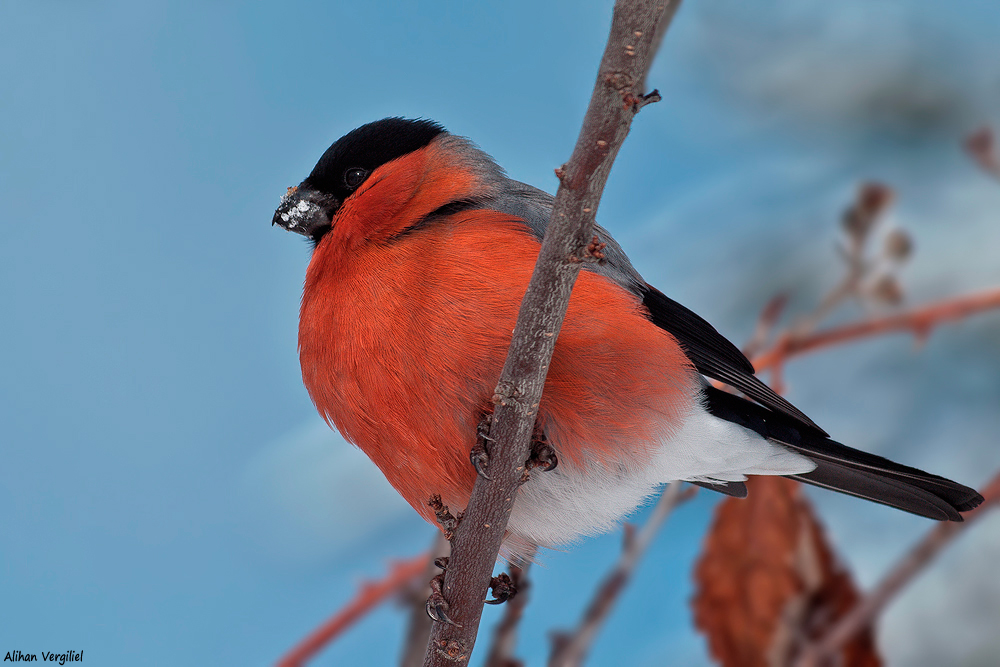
[{"x": 898, "y": 245}]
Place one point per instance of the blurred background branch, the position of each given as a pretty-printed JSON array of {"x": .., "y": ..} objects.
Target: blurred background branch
[
  {"x": 569, "y": 649},
  {"x": 369, "y": 595}
]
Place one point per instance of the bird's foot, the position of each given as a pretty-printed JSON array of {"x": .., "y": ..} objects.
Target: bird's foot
[
  {"x": 542, "y": 455},
  {"x": 503, "y": 588}
]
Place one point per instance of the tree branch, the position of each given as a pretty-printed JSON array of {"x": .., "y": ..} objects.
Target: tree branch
[
  {"x": 920, "y": 321},
  {"x": 825, "y": 650},
  {"x": 615, "y": 101},
  {"x": 570, "y": 649}
]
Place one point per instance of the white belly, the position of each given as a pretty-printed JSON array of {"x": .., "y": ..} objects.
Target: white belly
[{"x": 558, "y": 507}]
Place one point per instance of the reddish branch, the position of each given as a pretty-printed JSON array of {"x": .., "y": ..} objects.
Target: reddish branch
[
  {"x": 370, "y": 595},
  {"x": 419, "y": 626},
  {"x": 613, "y": 105},
  {"x": 501, "y": 654},
  {"x": 570, "y": 649},
  {"x": 920, "y": 321},
  {"x": 824, "y": 651}
]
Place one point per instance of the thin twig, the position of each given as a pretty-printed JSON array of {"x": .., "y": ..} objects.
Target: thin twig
[
  {"x": 859, "y": 221},
  {"x": 825, "y": 649},
  {"x": 369, "y": 595},
  {"x": 848, "y": 287},
  {"x": 419, "y": 628},
  {"x": 615, "y": 101},
  {"x": 569, "y": 649},
  {"x": 501, "y": 653},
  {"x": 919, "y": 320}
]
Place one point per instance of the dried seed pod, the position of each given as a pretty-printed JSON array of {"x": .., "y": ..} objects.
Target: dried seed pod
[
  {"x": 981, "y": 144},
  {"x": 874, "y": 198},
  {"x": 871, "y": 202},
  {"x": 898, "y": 245}
]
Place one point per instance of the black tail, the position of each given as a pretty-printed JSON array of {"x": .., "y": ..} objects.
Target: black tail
[{"x": 848, "y": 470}]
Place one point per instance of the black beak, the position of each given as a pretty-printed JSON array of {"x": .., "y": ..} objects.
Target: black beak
[{"x": 305, "y": 211}]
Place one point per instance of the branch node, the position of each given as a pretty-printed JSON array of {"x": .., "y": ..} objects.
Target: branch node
[
  {"x": 593, "y": 253},
  {"x": 637, "y": 102},
  {"x": 596, "y": 249},
  {"x": 506, "y": 393},
  {"x": 452, "y": 649},
  {"x": 560, "y": 640},
  {"x": 448, "y": 521},
  {"x": 619, "y": 80}
]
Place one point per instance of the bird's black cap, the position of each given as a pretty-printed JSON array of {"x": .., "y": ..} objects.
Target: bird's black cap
[
  {"x": 344, "y": 167},
  {"x": 368, "y": 148}
]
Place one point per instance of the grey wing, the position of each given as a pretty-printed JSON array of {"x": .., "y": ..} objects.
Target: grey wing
[
  {"x": 712, "y": 354},
  {"x": 534, "y": 206}
]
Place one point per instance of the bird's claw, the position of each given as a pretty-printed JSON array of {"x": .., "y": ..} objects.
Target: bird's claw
[
  {"x": 480, "y": 459},
  {"x": 479, "y": 456},
  {"x": 437, "y": 607},
  {"x": 503, "y": 589},
  {"x": 437, "y": 610},
  {"x": 542, "y": 455}
]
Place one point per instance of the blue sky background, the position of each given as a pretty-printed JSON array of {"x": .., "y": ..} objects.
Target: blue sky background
[{"x": 168, "y": 495}]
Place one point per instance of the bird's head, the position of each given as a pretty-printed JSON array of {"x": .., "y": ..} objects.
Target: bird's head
[{"x": 375, "y": 180}]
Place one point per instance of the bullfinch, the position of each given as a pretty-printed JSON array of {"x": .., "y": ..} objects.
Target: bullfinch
[{"x": 422, "y": 252}]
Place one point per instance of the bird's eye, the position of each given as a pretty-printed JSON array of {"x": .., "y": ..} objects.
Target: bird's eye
[{"x": 354, "y": 176}]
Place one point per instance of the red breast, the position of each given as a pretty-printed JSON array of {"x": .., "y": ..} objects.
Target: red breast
[{"x": 403, "y": 335}]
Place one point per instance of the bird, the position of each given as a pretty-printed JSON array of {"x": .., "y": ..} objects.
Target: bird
[{"x": 422, "y": 249}]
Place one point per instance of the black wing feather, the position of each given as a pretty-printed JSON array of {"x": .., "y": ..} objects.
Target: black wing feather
[
  {"x": 713, "y": 355},
  {"x": 848, "y": 470},
  {"x": 731, "y": 489}
]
